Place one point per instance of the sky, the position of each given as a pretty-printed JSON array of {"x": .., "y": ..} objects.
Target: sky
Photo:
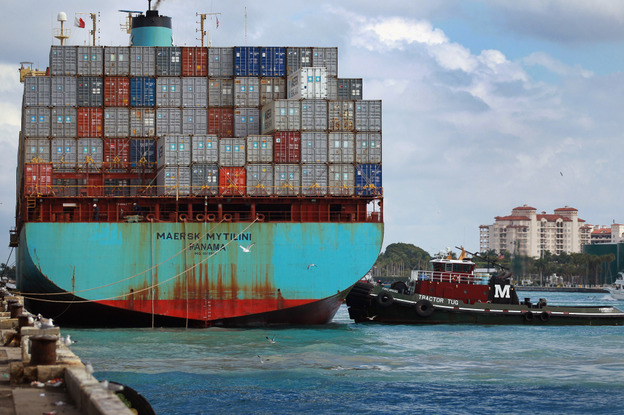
[{"x": 487, "y": 105}]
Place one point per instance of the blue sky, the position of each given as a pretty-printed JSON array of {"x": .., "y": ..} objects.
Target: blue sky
[{"x": 487, "y": 105}]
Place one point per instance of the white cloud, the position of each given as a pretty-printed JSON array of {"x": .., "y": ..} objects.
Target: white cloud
[{"x": 554, "y": 65}]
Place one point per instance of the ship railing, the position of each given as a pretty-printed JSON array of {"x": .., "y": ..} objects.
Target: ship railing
[{"x": 452, "y": 277}]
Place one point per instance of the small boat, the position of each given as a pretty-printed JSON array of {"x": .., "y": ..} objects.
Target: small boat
[
  {"x": 452, "y": 293},
  {"x": 617, "y": 290}
]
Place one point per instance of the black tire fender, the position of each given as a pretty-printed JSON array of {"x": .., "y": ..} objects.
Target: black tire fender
[
  {"x": 385, "y": 299},
  {"x": 544, "y": 316},
  {"x": 528, "y": 316},
  {"x": 424, "y": 308}
]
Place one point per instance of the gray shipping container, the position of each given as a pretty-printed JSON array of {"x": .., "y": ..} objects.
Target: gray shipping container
[
  {"x": 297, "y": 58},
  {"x": 174, "y": 150},
  {"x": 259, "y": 149},
  {"x": 341, "y": 115},
  {"x": 287, "y": 179},
  {"x": 63, "y": 91},
  {"x": 195, "y": 92},
  {"x": 313, "y": 115},
  {"x": 221, "y": 92},
  {"x": 63, "y": 122},
  {"x": 90, "y": 60},
  {"x": 205, "y": 148},
  {"x": 246, "y": 122},
  {"x": 314, "y": 180},
  {"x": 194, "y": 121},
  {"x": 37, "y": 91},
  {"x": 36, "y": 122},
  {"x": 90, "y": 154},
  {"x": 314, "y": 147},
  {"x": 116, "y": 61},
  {"x": 116, "y": 122},
  {"x": 220, "y": 62},
  {"x": 260, "y": 180},
  {"x": 272, "y": 89},
  {"x": 368, "y": 147},
  {"x": 341, "y": 179},
  {"x": 168, "y": 121},
  {"x": 142, "y": 122},
  {"x": 281, "y": 115},
  {"x": 142, "y": 61},
  {"x": 246, "y": 92},
  {"x": 332, "y": 89},
  {"x": 326, "y": 57},
  {"x": 37, "y": 150},
  {"x": 232, "y": 152},
  {"x": 63, "y": 151},
  {"x": 172, "y": 181},
  {"x": 63, "y": 60},
  {"x": 368, "y": 115},
  {"x": 168, "y": 61},
  {"x": 341, "y": 147},
  {"x": 204, "y": 179},
  {"x": 349, "y": 88},
  {"x": 168, "y": 92},
  {"x": 90, "y": 91}
]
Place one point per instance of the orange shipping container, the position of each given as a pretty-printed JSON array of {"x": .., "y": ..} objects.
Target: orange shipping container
[
  {"x": 90, "y": 122},
  {"x": 116, "y": 91},
  {"x": 221, "y": 122},
  {"x": 38, "y": 178},
  {"x": 194, "y": 61},
  {"x": 232, "y": 181}
]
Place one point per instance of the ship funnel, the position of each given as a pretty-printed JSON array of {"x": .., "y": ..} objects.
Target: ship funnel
[{"x": 151, "y": 29}]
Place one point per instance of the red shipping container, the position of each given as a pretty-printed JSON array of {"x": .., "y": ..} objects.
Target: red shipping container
[
  {"x": 287, "y": 147},
  {"x": 221, "y": 122},
  {"x": 116, "y": 153},
  {"x": 116, "y": 91},
  {"x": 194, "y": 61},
  {"x": 232, "y": 181},
  {"x": 90, "y": 122},
  {"x": 38, "y": 178}
]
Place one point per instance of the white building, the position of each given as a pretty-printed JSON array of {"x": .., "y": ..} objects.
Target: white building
[{"x": 525, "y": 232}]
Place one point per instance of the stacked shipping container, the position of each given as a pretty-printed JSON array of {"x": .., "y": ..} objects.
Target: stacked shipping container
[{"x": 260, "y": 121}]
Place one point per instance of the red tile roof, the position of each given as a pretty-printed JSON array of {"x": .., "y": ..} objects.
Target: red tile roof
[
  {"x": 566, "y": 209},
  {"x": 501, "y": 218},
  {"x": 525, "y": 207}
]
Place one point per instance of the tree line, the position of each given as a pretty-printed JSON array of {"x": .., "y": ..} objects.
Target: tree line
[{"x": 573, "y": 269}]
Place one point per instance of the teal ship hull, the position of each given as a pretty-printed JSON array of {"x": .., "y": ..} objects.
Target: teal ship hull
[{"x": 195, "y": 274}]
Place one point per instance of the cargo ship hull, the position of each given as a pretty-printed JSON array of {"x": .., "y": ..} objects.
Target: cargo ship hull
[{"x": 194, "y": 274}]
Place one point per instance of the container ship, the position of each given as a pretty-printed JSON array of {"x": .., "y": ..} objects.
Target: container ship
[{"x": 160, "y": 185}]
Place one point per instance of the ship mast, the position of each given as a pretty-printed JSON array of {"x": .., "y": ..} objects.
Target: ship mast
[
  {"x": 62, "y": 34},
  {"x": 202, "y": 31}
]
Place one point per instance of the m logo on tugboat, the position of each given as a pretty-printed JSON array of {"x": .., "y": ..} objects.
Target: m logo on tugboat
[{"x": 501, "y": 291}]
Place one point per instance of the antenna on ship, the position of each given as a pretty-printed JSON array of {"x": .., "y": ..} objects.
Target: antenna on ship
[
  {"x": 127, "y": 26},
  {"x": 62, "y": 34},
  {"x": 202, "y": 31},
  {"x": 245, "y": 25}
]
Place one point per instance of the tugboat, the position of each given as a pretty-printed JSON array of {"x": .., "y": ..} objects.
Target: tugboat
[{"x": 451, "y": 293}]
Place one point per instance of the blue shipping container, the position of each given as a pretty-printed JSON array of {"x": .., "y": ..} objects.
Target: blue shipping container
[
  {"x": 142, "y": 91},
  {"x": 272, "y": 61},
  {"x": 246, "y": 61},
  {"x": 368, "y": 179},
  {"x": 142, "y": 151}
]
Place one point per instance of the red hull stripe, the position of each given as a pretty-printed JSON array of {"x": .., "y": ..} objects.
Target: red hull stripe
[{"x": 205, "y": 309}]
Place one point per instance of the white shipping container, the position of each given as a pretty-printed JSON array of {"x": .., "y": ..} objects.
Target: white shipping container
[
  {"x": 116, "y": 122},
  {"x": 173, "y": 181},
  {"x": 173, "y": 150},
  {"x": 281, "y": 115},
  {"x": 168, "y": 121},
  {"x": 313, "y": 115},
  {"x": 168, "y": 91},
  {"x": 287, "y": 179},
  {"x": 368, "y": 115},
  {"x": 260, "y": 180},
  {"x": 308, "y": 83},
  {"x": 314, "y": 180},
  {"x": 205, "y": 148},
  {"x": 341, "y": 147},
  {"x": 194, "y": 120},
  {"x": 259, "y": 149},
  {"x": 314, "y": 147},
  {"x": 246, "y": 92},
  {"x": 341, "y": 179}
]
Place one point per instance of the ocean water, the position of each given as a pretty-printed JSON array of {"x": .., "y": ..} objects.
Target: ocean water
[{"x": 365, "y": 368}]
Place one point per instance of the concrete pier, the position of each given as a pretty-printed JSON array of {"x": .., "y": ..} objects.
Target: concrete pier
[{"x": 62, "y": 385}]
